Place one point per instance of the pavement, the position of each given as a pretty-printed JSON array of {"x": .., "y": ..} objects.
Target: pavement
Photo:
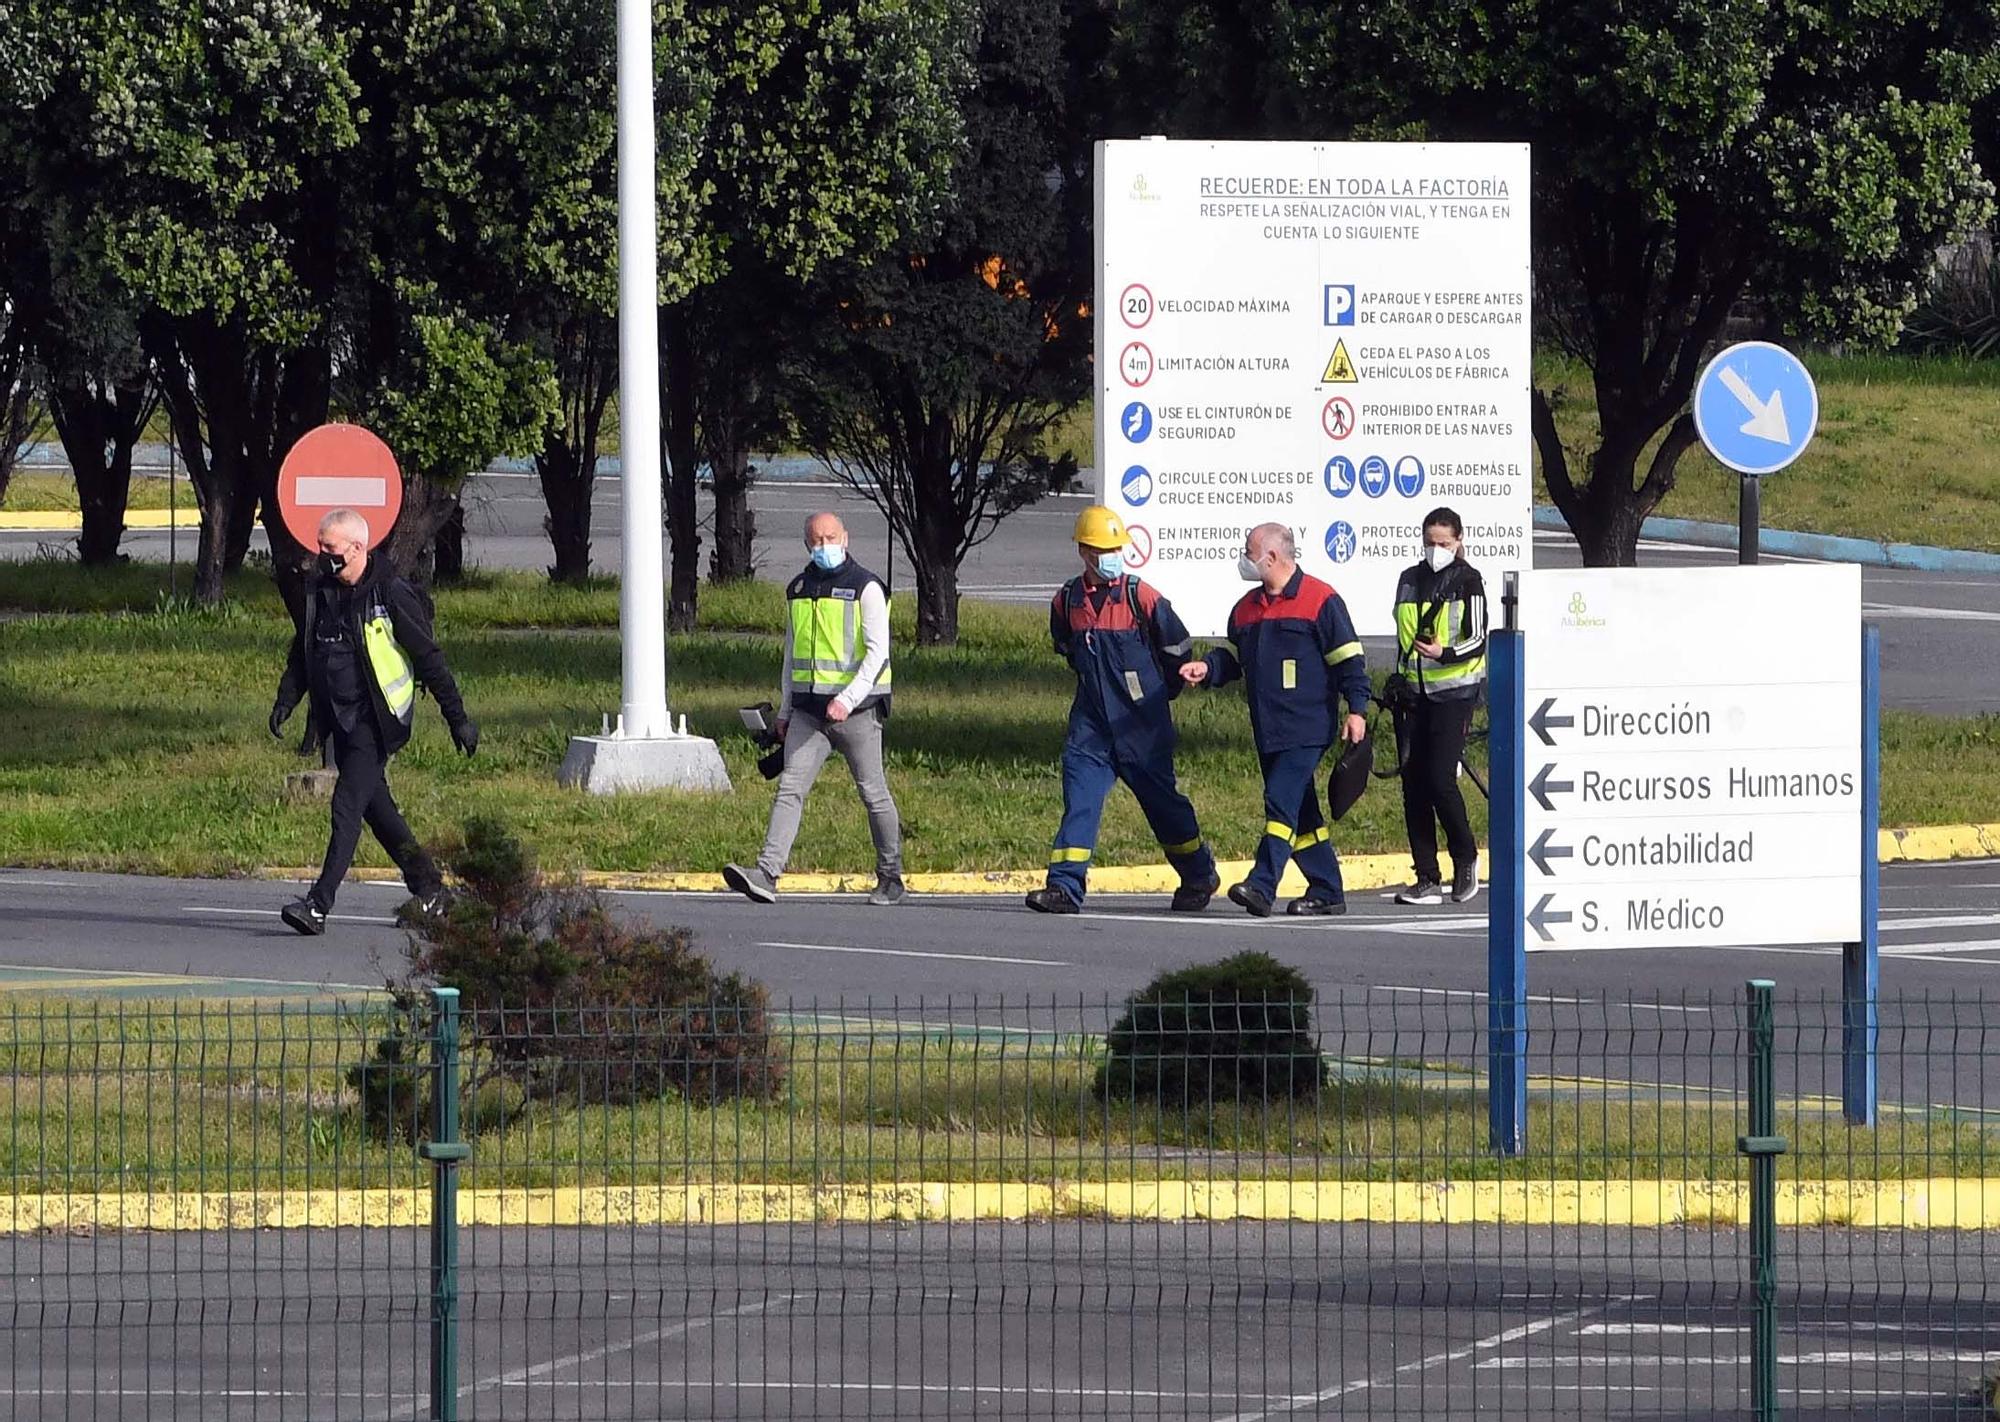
[
  {"x": 1064, "y": 1319},
  {"x": 1940, "y": 632},
  {"x": 1940, "y": 936}
]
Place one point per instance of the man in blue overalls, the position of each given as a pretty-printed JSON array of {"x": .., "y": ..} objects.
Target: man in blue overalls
[{"x": 1127, "y": 647}]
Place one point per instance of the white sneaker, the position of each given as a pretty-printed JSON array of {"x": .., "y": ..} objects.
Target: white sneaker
[{"x": 1426, "y": 891}]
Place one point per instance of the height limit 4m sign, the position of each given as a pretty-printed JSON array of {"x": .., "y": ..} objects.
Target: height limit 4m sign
[{"x": 1693, "y": 764}]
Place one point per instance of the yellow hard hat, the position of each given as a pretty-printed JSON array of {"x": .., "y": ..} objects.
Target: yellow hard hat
[{"x": 1098, "y": 527}]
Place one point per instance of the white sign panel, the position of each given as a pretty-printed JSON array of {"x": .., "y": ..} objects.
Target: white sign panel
[
  {"x": 1335, "y": 337},
  {"x": 1693, "y": 756}
]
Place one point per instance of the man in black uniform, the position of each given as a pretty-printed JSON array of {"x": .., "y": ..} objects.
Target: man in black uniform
[{"x": 364, "y": 646}]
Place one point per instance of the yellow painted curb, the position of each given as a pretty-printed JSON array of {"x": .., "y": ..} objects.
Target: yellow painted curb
[
  {"x": 1945, "y": 1203},
  {"x": 1930, "y": 843},
  {"x": 1360, "y": 872},
  {"x": 62, "y": 520}
]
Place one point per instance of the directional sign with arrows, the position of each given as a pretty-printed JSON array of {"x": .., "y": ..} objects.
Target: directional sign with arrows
[
  {"x": 1755, "y": 407},
  {"x": 1685, "y": 778}
]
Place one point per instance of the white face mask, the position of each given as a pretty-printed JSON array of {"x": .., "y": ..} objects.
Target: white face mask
[
  {"x": 1439, "y": 557},
  {"x": 1247, "y": 570}
]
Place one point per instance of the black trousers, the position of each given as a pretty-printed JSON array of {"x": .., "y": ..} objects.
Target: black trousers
[
  {"x": 1430, "y": 738},
  {"x": 362, "y": 794}
]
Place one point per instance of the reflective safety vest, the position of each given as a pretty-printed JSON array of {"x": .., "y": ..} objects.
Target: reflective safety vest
[
  {"x": 1448, "y": 608},
  {"x": 827, "y": 648},
  {"x": 389, "y": 662}
]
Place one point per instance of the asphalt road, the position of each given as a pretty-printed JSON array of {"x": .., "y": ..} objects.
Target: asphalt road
[
  {"x": 1940, "y": 634},
  {"x": 1062, "y": 1319}
]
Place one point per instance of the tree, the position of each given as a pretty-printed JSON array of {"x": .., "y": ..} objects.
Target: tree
[
  {"x": 829, "y": 136},
  {"x": 1811, "y": 156},
  {"x": 935, "y": 374}
]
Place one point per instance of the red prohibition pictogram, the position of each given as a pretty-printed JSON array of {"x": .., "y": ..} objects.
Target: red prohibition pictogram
[
  {"x": 1337, "y": 418},
  {"x": 1135, "y": 305},
  {"x": 1135, "y": 363},
  {"x": 339, "y": 467},
  {"x": 1139, "y": 551}
]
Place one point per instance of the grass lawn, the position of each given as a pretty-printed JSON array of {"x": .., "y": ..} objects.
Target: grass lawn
[
  {"x": 1908, "y": 450},
  {"x": 135, "y": 739},
  {"x": 155, "y": 1097},
  {"x": 56, "y": 493}
]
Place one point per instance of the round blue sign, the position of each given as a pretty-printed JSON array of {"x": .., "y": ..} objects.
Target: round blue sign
[
  {"x": 1374, "y": 476},
  {"x": 1755, "y": 407},
  {"x": 1339, "y": 476},
  {"x": 1137, "y": 422},
  {"x": 1409, "y": 476},
  {"x": 1137, "y": 485},
  {"x": 1340, "y": 541}
]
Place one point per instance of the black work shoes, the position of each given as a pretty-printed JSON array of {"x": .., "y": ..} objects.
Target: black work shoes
[
  {"x": 1053, "y": 901},
  {"x": 304, "y": 916},
  {"x": 1193, "y": 898},
  {"x": 1251, "y": 898}
]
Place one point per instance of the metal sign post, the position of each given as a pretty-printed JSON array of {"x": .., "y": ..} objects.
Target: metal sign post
[{"x": 1506, "y": 921}]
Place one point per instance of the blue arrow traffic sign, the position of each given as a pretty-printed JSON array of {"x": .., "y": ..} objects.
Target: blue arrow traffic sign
[{"x": 1756, "y": 407}]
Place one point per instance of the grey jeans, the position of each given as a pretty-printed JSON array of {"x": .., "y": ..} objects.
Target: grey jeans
[{"x": 809, "y": 740}]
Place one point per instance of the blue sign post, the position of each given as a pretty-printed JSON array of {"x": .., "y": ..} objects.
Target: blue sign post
[
  {"x": 1861, "y": 963},
  {"x": 1506, "y": 852},
  {"x": 1755, "y": 408}
]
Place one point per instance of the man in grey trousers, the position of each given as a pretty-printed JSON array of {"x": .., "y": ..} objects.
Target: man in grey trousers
[{"x": 834, "y": 696}]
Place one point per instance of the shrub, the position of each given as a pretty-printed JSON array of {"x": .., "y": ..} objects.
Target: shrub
[
  {"x": 1239, "y": 1030},
  {"x": 559, "y": 1000}
]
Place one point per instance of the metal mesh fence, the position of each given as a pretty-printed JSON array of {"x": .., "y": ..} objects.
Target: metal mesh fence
[{"x": 988, "y": 1208}]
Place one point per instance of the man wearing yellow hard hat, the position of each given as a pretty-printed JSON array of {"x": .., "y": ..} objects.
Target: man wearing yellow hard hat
[{"x": 1127, "y": 647}]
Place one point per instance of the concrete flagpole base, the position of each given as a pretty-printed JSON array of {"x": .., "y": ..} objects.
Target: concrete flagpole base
[{"x": 609, "y": 765}]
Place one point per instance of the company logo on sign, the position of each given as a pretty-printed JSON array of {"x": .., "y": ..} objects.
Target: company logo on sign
[
  {"x": 1136, "y": 422},
  {"x": 1339, "y": 476},
  {"x": 1337, "y": 305},
  {"x": 1578, "y": 613},
  {"x": 1374, "y": 476},
  {"x": 1341, "y": 542},
  {"x": 1135, "y": 363},
  {"x": 1141, "y": 190},
  {"x": 1139, "y": 551},
  {"x": 1137, "y": 485},
  {"x": 1409, "y": 476}
]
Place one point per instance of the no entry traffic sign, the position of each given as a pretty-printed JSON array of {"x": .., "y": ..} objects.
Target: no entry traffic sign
[{"x": 339, "y": 467}]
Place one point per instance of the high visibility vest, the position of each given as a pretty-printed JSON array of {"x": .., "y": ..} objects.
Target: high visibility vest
[
  {"x": 390, "y": 663},
  {"x": 827, "y": 647},
  {"x": 1447, "y": 622}
]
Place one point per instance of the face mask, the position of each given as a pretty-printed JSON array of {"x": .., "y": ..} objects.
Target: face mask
[
  {"x": 1247, "y": 570},
  {"x": 330, "y": 564},
  {"x": 1110, "y": 565},
  {"x": 1438, "y": 557},
  {"x": 828, "y": 556}
]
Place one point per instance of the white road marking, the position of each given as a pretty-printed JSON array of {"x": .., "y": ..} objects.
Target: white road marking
[
  {"x": 273, "y": 913},
  {"x": 1957, "y": 920},
  {"x": 1842, "y": 1358},
  {"x": 1549, "y": 1001},
  {"x": 1495, "y": 1340},
  {"x": 1928, "y": 614},
  {"x": 516, "y": 1376},
  {"x": 913, "y": 953}
]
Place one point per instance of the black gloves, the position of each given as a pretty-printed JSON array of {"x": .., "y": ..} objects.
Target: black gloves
[{"x": 465, "y": 735}]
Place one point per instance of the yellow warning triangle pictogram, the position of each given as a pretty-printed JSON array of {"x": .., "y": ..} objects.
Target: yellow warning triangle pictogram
[{"x": 1339, "y": 370}]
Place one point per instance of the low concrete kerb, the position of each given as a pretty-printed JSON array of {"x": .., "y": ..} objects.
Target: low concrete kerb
[
  {"x": 1925, "y": 844},
  {"x": 1830, "y": 547}
]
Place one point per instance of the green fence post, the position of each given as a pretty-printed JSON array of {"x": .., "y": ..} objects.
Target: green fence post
[
  {"x": 444, "y": 1151},
  {"x": 1763, "y": 1145}
]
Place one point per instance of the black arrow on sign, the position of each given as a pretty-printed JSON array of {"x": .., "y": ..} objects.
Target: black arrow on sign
[
  {"x": 1543, "y": 787},
  {"x": 1541, "y": 851},
  {"x": 1542, "y": 721},
  {"x": 1539, "y": 918}
]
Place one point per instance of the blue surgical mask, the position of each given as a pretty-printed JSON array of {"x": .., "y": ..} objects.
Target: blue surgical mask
[
  {"x": 1110, "y": 565},
  {"x": 829, "y": 556}
]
